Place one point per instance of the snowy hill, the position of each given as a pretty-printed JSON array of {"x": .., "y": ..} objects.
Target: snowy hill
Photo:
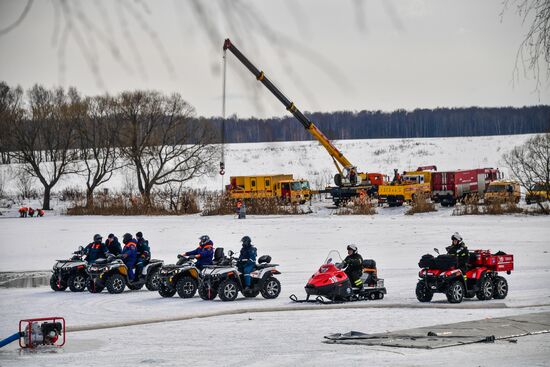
[{"x": 308, "y": 159}]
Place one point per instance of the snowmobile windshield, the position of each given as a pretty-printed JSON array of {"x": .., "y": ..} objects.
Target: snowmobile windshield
[{"x": 333, "y": 257}]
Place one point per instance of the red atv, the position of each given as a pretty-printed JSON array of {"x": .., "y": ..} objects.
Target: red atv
[
  {"x": 331, "y": 284},
  {"x": 441, "y": 274}
]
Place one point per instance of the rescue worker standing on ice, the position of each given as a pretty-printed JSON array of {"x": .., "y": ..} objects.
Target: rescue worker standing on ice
[
  {"x": 204, "y": 253},
  {"x": 129, "y": 254},
  {"x": 96, "y": 250},
  {"x": 354, "y": 266},
  {"x": 459, "y": 249},
  {"x": 247, "y": 260}
]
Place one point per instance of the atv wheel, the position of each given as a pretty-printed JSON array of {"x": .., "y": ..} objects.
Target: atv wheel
[
  {"x": 153, "y": 280},
  {"x": 93, "y": 287},
  {"x": 135, "y": 287},
  {"x": 57, "y": 287},
  {"x": 271, "y": 288},
  {"x": 115, "y": 284},
  {"x": 486, "y": 288},
  {"x": 455, "y": 292},
  {"x": 207, "y": 293},
  {"x": 77, "y": 282},
  {"x": 228, "y": 290},
  {"x": 501, "y": 288},
  {"x": 251, "y": 294},
  {"x": 165, "y": 291},
  {"x": 423, "y": 293},
  {"x": 186, "y": 287}
]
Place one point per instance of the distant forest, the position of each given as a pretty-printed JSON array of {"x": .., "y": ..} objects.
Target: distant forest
[{"x": 420, "y": 123}]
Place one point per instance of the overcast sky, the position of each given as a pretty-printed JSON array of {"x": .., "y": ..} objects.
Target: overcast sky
[{"x": 324, "y": 55}]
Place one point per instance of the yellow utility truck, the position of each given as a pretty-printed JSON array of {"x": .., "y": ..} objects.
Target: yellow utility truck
[
  {"x": 503, "y": 191},
  {"x": 538, "y": 193},
  {"x": 404, "y": 188},
  {"x": 282, "y": 186}
]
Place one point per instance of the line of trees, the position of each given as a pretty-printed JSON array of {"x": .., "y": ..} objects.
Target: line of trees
[
  {"x": 420, "y": 123},
  {"x": 54, "y": 132}
]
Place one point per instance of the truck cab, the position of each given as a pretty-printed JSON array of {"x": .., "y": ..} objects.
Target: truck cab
[{"x": 538, "y": 193}]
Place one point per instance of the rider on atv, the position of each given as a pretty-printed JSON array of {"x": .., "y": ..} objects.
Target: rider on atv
[
  {"x": 247, "y": 260},
  {"x": 204, "y": 253},
  {"x": 96, "y": 250},
  {"x": 129, "y": 254},
  {"x": 459, "y": 249},
  {"x": 354, "y": 266}
]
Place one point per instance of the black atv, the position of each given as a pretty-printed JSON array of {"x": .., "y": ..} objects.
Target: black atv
[
  {"x": 182, "y": 277},
  {"x": 70, "y": 273}
]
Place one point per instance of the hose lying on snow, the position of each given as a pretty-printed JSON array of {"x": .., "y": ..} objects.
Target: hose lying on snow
[{"x": 115, "y": 324}]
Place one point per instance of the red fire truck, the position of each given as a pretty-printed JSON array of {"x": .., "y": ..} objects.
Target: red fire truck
[{"x": 449, "y": 187}]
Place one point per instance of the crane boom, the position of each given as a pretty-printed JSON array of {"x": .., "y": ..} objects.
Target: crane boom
[{"x": 336, "y": 155}]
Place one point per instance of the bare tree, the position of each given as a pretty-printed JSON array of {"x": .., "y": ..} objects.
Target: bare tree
[
  {"x": 530, "y": 165},
  {"x": 11, "y": 109},
  {"x": 534, "y": 52},
  {"x": 45, "y": 138},
  {"x": 161, "y": 140},
  {"x": 98, "y": 142}
]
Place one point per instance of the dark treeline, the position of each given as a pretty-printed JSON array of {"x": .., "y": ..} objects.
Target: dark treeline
[{"x": 420, "y": 123}]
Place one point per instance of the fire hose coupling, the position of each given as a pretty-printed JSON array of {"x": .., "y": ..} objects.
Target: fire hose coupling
[
  {"x": 261, "y": 76},
  {"x": 291, "y": 107}
]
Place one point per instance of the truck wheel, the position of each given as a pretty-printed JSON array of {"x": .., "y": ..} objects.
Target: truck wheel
[
  {"x": 271, "y": 288},
  {"x": 486, "y": 288},
  {"x": 455, "y": 292},
  {"x": 186, "y": 287},
  {"x": 207, "y": 293},
  {"x": 77, "y": 282},
  {"x": 93, "y": 287},
  {"x": 423, "y": 293},
  {"x": 153, "y": 280},
  {"x": 166, "y": 292},
  {"x": 228, "y": 290},
  {"x": 57, "y": 287},
  {"x": 501, "y": 288},
  {"x": 115, "y": 284},
  {"x": 338, "y": 179}
]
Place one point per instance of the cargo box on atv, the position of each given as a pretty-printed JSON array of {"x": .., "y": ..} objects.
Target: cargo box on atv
[
  {"x": 441, "y": 262},
  {"x": 496, "y": 262}
]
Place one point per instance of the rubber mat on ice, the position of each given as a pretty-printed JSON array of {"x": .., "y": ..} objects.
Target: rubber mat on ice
[{"x": 449, "y": 335}]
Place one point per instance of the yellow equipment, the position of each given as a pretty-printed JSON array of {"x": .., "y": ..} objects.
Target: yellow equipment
[
  {"x": 282, "y": 186},
  {"x": 502, "y": 191},
  {"x": 538, "y": 193},
  {"x": 406, "y": 187}
]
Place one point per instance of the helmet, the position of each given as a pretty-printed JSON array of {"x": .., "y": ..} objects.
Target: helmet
[
  {"x": 139, "y": 235},
  {"x": 111, "y": 235},
  {"x": 352, "y": 248},
  {"x": 97, "y": 238},
  {"x": 456, "y": 236},
  {"x": 204, "y": 239},
  {"x": 246, "y": 241},
  {"x": 127, "y": 237}
]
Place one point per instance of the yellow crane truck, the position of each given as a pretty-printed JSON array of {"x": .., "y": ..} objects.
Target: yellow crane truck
[
  {"x": 349, "y": 182},
  {"x": 403, "y": 189},
  {"x": 282, "y": 186}
]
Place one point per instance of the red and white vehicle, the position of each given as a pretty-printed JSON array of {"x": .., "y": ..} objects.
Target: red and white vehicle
[
  {"x": 450, "y": 187},
  {"x": 441, "y": 274}
]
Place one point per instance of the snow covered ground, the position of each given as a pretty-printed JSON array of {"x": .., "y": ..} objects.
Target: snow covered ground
[
  {"x": 299, "y": 244},
  {"x": 283, "y": 333}
]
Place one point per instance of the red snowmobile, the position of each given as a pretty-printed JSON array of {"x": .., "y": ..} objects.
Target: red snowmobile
[
  {"x": 331, "y": 284},
  {"x": 441, "y": 274}
]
